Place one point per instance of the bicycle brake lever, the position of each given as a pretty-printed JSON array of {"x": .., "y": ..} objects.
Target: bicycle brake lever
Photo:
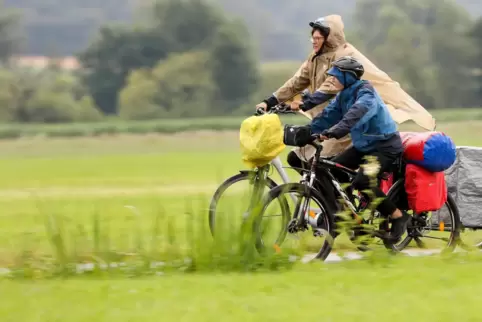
[{"x": 286, "y": 109}]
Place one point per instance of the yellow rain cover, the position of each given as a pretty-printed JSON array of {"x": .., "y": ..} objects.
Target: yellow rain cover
[{"x": 261, "y": 139}]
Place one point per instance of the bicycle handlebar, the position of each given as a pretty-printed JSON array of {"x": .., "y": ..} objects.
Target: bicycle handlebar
[
  {"x": 316, "y": 140},
  {"x": 277, "y": 109}
]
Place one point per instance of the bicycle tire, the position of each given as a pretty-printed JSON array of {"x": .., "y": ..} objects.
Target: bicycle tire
[
  {"x": 453, "y": 210},
  {"x": 243, "y": 175},
  {"x": 305, "y": 191}
]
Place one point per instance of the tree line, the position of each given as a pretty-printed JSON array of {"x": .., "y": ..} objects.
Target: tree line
[
  {"x": 65, "y": 27},
  {"x": 189, "y": 58}
]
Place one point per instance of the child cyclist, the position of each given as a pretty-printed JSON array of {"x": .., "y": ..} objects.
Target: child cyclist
[{"x": 359, "y": 111}]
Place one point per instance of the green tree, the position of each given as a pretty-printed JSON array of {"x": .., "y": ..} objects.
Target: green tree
[
  {"x": 7, "y": 96},
  {"x": 50, "y": 107},
  {"x": 180, "y": 86},
  {"x": 110, "y": 58},
  {"x": 137, "y": 100},
  {"x": 234, "y": 68},
  {"x": 476, "y": 35},
  {"x": 10, "y": 35},
  {"x": 451, "y": 51},
  {"x": 184, "y": 24},
  {"x": 279, "y": 27},
  {"x": 170, "y": 26},
  {"x": 86, "y": 110},
  {"x": 388, "y": 36},
  {"x": 272, "y": 76},
  {"x": 50, "y": 104},
  {"x": 423, "y": 44},
  {"x": 44, "y": 96}
]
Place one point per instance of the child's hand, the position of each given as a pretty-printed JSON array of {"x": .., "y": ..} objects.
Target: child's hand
[{"x": 323, "y": 138}]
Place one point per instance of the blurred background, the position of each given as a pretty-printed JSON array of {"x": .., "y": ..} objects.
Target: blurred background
[
  {"x": 120, "y": 118},
  {"x": 85, "y": 61}
]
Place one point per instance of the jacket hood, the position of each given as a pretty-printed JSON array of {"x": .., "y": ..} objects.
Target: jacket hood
[
  {"x": 336, "y": 38},
  {"x": 345, "y": 78}
]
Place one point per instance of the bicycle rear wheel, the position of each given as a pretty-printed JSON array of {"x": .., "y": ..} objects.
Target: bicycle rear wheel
[
  {"x": 322, "y": 236},
  {"x": 436, "y": 230}
]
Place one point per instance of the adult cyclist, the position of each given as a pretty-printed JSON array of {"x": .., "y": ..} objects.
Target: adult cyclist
[{"x": 329, "y": 44}]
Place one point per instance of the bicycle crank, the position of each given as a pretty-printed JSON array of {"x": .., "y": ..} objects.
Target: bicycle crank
[{"x": 294, "y": 227}]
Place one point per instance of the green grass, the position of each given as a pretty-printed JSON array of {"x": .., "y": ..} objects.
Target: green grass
[
  {"x": 78, "y": 177},
  {"x": 86, "y": 183},
  {"x": 130, "y": 161},
  {"x": 412, "y": 289},
  {"x": 125, "y": 171}
]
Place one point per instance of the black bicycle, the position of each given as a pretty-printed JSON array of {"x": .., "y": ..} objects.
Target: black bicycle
[
  {"x": 258, "y": 180},
  {"x": 367, "y": 224}
]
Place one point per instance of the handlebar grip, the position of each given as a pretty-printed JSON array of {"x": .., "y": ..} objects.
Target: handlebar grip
[{"x": 260, "y": 111}]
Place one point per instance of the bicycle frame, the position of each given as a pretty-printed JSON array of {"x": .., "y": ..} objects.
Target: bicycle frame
[
  {"x": 326, "y": 165},
  {"x": 276, "y": 163}
]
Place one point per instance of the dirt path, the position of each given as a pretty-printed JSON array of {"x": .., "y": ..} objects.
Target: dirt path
[
  {"x": 332, "y": 258},
  {"x": 335, "y": 258}
]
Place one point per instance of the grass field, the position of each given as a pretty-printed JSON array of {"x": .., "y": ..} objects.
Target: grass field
[
  {"x": 414, "y": 289},
  {"x": 125, "y": 183}
]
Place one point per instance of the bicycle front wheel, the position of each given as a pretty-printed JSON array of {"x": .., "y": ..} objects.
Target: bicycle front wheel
[
  {"x": 228, "y": 192},
  {"x": 291, "y": 201}
]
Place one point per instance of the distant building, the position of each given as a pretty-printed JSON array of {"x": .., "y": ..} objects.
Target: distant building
[{"x": 40, "y": 62}]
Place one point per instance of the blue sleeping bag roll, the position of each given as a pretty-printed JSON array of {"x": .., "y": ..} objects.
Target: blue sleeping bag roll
[{"x": 434, "y": 151}]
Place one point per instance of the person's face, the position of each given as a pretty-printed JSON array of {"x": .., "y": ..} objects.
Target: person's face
[
  {"x": 337, "y": 84},
  {"x": 317, "y": 40}
]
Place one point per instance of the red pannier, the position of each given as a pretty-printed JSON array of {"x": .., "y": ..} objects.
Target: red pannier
[
  {"x": 386, "y": 183},
  {"x": 426, "y": 191}
]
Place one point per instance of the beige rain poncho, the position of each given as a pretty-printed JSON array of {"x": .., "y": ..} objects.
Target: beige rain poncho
[{"x": 312, "y": 75}]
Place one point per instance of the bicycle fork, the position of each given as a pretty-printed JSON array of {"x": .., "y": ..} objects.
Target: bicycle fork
[
  {"x": 258, "y": 185},
  {"x": 299, "y": 222}
]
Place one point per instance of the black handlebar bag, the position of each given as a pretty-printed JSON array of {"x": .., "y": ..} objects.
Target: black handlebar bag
[{"x": 297, "y": 135}]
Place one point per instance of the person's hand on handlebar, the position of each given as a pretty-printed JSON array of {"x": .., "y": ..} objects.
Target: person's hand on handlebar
[
  {"x": 323, "y": 138},
  {"x": 295, "y": 105},
  {"x": 262, "y": 105}
]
